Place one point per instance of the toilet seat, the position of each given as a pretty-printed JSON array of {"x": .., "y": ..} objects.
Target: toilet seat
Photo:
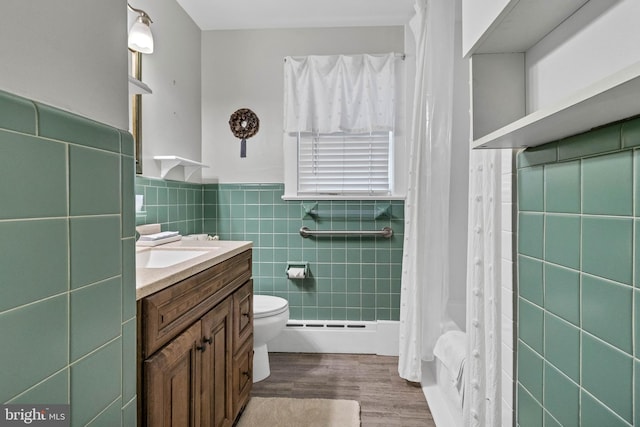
[{"x": 268, "y": 305}]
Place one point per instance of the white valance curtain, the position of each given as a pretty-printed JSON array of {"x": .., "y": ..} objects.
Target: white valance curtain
[{"x": 339, "y": 93}]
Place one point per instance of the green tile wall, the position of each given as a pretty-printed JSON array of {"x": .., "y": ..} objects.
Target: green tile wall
[
  {"x": 67, "y": 300},
  {"x": 578, "y": 280},
  {"x": 174, "y": 205},
  {"x": 356, "y": 278}
]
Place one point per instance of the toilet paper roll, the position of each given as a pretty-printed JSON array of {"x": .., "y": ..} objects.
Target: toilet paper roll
[{"x": 296, "y": 273}]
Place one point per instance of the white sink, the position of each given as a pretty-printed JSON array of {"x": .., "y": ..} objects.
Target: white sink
[{"x": 161, "y": 258}]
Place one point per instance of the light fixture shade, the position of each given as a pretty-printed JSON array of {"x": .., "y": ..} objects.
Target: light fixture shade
[{"x": 140, "y": 37}]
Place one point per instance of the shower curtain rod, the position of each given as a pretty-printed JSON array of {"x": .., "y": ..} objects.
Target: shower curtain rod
[{"x": 402, "y": 56}]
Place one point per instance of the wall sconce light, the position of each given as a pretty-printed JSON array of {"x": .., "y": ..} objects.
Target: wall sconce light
[{"x": 140, "y": 37}]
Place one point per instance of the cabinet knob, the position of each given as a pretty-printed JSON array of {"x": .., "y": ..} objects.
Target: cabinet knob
[
  {"x": 207, "y": 340},
  {"x": 246, "y": 314},
  {"x": 200, "y": 348},
  {"x": 247, "y": 374}
]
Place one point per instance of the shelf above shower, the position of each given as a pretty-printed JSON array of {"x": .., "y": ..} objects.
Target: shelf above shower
[
  {"x": 510, "y": 105},
  {"x": 499, "y": 26},
  {"x": 608, "y": 100}
]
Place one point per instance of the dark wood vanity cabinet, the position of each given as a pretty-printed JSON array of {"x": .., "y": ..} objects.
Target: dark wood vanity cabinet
[{"x": 195, "y": 348}]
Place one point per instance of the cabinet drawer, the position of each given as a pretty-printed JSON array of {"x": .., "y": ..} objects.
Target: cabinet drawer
[
  {"x": 170, "y": 311},
  {"x": 243, "y": 315}
]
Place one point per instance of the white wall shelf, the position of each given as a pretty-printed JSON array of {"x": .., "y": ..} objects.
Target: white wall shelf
[
  {"x": 137, "y": 87},
  {"x": 519, "y": 24},
  {"x": 167, "y": 163},
  {"x": 608, "y": 100},
  {"x": 497, "y": 35}
]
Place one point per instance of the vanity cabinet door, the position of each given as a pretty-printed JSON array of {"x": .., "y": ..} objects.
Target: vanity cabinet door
[
  {"x": 216, "y": 405},
  {"x": 242, "y": 375},
  {"x": 173, "y": 382}
]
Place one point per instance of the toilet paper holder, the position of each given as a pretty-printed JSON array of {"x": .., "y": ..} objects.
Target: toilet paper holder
[{"x": 297, "y": 270}]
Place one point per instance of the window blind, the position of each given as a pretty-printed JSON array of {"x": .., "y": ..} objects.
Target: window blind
[{"x": 343, "y": 164}]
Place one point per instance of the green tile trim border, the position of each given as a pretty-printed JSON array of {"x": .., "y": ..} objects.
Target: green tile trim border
[
  {"x": 603, "y": 140},
  {"x": 631, "y": 133},
  {"x": 546, "y": 153},
  {"x": 17, "y": 114},
  {"x": 63, "y": 126},
  {"x": 22, "y": 115},
  {"x": 618, "y": 136}
]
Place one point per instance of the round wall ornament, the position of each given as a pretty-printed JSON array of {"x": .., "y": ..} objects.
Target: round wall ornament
[{"x": 244, "y": 124}]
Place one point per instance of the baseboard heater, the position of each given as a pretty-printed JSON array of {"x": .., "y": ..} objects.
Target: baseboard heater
[
  {"x": 324, "y": 325},
  {"x": 331, "y": 336}
]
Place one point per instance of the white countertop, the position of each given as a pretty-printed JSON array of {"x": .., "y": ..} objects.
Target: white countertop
[{"x": 151, "y": 280}]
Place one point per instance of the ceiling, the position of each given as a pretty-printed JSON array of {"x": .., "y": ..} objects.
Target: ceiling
[{"x": 259, "y": 14}]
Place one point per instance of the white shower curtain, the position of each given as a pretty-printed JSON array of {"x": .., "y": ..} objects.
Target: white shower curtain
[
  {"x": 425, "y": 264},
  {"x": 482, "y": 383}
]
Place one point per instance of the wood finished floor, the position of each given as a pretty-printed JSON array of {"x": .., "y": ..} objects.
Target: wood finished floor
[{"x": 385, "y": 398}]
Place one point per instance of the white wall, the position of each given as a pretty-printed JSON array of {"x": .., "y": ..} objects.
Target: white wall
[
  {"x": 459, "y": 199},
  {"x": 243, "y": 69},
  {"x": 599, "y": 39},
  {"x": 478, "y": 16},
  {"x": 67, "y": 53},
  {"x": 171, "y": 118}
]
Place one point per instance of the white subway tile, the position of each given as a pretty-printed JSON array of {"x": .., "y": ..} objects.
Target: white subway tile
[
  {"x": 507, "y": 245},
  {"x": 507, "y": 387},
  {"x": 507, "y": 303},
  {"x": 507, "y": 161},
  {"x": 507, "y": 188},
  {"x": 507, "y": 216},
  {"x": 507, "y": 415},
  {"x": 507, "y": 330},
  {"x": 506, "y": 274},
  {"x": 507, "y": 359}
]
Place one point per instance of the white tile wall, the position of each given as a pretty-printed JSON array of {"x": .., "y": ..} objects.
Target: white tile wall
[
  {"x": 507, "y": 245},
  {"x": 507, "y": 331},
  {"x": 507, "y": 360},
  {"x": 506, "y": 274},
  {"x": 507, "y": 389},
  {"x": 508, "y": 204},
  {"x": 507, "y": 309},
  {"x": 507, "y": 209}
]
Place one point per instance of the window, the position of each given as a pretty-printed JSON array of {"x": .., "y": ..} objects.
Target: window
[
  {"x": 340, "y": 139},
  {"x": 345, "y": 164}
]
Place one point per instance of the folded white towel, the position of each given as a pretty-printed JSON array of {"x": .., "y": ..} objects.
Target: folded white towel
[
  {"x": 159, "y": 236},
  {"x": 451, "y": 349}
]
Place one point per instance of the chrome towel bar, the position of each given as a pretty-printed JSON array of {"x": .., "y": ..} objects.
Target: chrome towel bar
[{"x": 386, "y": 232}]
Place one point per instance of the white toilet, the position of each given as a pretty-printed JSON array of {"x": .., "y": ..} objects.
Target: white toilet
[{"x": 270, "y": 315}]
